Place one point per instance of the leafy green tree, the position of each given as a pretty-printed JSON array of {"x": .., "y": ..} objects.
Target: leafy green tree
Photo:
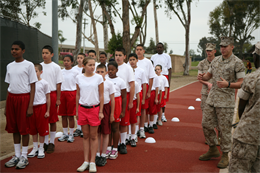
[
  {"x": 151, "y": 49},
  {"x": 202, "y": 46},
  {"x": 115, "y": 42},
  {"x": 60, "y": 37}
]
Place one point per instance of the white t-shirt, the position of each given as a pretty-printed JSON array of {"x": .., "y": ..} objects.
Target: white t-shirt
[
  {"x": 19, "y": 76},
  {"x": 140, "y": 76},
  {"x": 89, "y": 95},
  {"x": 52, "y": 74},
  {"x": 119, "y": 85},
  {"x": 147, "y": 66},
  {"x": 164, "y": 60},
  {"x": 78, "y": 68},
  {"x": 137, "y": 90},
  {"x": 41, "y": 89},
  {"x": 156, "y": 83},
  {"x": 108, "y": 90},
  {"x": 127, "y": 74},
  {"x": 69, "y": 79},
  {"x": 163, "y": 82}
]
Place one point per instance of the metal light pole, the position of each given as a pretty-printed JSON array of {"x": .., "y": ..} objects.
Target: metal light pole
[{"x": 55, "y": 45}]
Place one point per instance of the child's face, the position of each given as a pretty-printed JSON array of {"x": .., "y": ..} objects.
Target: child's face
[
  {"x": 90, "y": 66},
  {"x": 103, "y": 58},
  {"x": 16, "y": 51},
  {"x": 80, "y": 59},
  {"x": 67, "y": 63},
  {"x": 92, "y": 55},
  {"x": 38, "y": 72},
  {"x": 139, "y": 51},
  {"x": 46, "y": 55},
  {"x": 158, "y": 70},
  {"x": 119, "y": 57},
  {"x": 112, "y": 71},
  {"x": 132, "y": 61},
  {"x": 101, "y": 71}
]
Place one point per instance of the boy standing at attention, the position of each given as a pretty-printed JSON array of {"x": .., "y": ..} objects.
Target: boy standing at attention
[
  {"x": 52, "y": 74},
  {"x": 21, "y": 77}
]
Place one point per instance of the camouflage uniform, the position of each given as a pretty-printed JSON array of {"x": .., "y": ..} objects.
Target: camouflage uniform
[
  {"x": 219, "y": 107},
  {"x": 245, "y": 155}
]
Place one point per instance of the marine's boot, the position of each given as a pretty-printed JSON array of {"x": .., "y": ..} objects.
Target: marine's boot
[
  {"x": 223, "y": 163},
  {"x": 213, "y": 152},
  {"x": 219, "y": 139}
]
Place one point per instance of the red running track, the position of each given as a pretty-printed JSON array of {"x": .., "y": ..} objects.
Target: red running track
[{"x": 177, "y": 148}]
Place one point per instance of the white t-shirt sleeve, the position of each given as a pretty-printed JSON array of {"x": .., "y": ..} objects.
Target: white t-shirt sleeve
[
  {"x": 151, "y": 71},
  {"x": 143, "y": 78},
  {"x": 59, "y": 76},
  {"x": 169, "y": 64},
  {"x": 122, "y": 85},
  {"x": 166, "y": 82},
  {"x": 32, "y": 74},
  {"x": 112, "y": 89},
  {"x": 46, "y": 88}
]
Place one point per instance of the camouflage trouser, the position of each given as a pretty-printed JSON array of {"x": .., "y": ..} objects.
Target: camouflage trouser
[
  {"x": 218, "y": 117},
  {"x": 203, "y": 101},
  {"x": 244, "y": 158}
]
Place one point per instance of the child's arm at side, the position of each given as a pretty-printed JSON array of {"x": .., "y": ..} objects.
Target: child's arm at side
[
  {"x": 30, "y": 107},
  {"x": 138, "y": 102},
  {"x": 160, "y": 98},
  {"x": 150, "y": 88},
  {"x": 77, "y": 101},
  {"x": 48, "y": 101},
  {"x": 6, "y": 100},
  {"x": 58, "y": 94},
  {"x": 123, "y": 94},
  {"x": 132, "y": 93},
  {"x": 156, "y": 95},
  {"x": 144, "y": 94},
  {"x": 101, "y": 99},
  {"x": 166, "y": 92},
  {"x": 112, "y": 100}
]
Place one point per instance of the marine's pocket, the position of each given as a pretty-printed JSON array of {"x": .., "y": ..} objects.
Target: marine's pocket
[{"x": 244, "y": 151}]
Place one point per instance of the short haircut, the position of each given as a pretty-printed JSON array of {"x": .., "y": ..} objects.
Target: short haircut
[
  {"x": 158, "y": 65},
  {"x": 132, "y": 55},
  {"x": 48, "y": 47},
  {"x": 39, "y": 66},
  {"x": 86, "y": 60},
  {"x": 160, "y": 44},
  {"x": 83, "y": 54},
  {"x": 111, "y": 60},
  {"x": 103, "y": 53},
  {"x": 120, "y": 49},
  {"x": 92, "y": 51},
  {"x": 140, "y": 45},
  {"x": 20, "y": 44},
  {"x": 113, "y": 63},
  {"x": 71, "y": 57},
  {"x": 102, "y": 66}
]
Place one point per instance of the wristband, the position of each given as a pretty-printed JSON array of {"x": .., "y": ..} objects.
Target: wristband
[{"x": 228, "y": 85}]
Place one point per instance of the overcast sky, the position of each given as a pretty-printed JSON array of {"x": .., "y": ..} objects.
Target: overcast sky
[{"x": 170, "y": 30}]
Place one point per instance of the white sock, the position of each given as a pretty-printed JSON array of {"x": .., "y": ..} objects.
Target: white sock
[
  {"x": 163, "y": 114},
  {"x": 52, "y": 137},
  {"x": 133, "y": 136},
  {"x": 78, "y": 126},
  {"x": 151, "y": 123},
  {"x": 123, "y": 137},
  {"x": 92, "y": 163},
  {"x": 109, "y": 148},
  {"x": 142, "y": 128},
  {"x": 115, "y": 149},
  {"x": 65, "y": 131},
  {"x": 24, "y": 152},
  {"x": 35, "y": 146},
  {"x": 46, "y": 139},
  {"x": 136, "y": 128},
  {"x": 41, "y": 145},
  {"x": 71, "y": 131},
  {"x": 85, "y": 162},
  {"x": 129, "y": 129},
  {"x": 41, "y": 149},
  {"x": 146, "y": 124},
  {"x": 103, "y": 155},
  {"x": 17, "y": 149},
  {"x": 127, "y": 136},
  {"x": 98, "y": 154},
  {"x": 155, "y": 119}
]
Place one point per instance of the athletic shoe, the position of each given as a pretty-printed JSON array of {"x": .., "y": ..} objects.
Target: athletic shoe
[
  {"x": 142, "y": 134},
  {"x": 159, "y": 123},
  {"x": 113, "y": 155},
  {"x": 118, "y": 147},
  {"x": 83, "y": 167},
  {"x": 133, "y": 143},
  {"x": 33, "y": 153},
  {"x": 12, "y": 162},
  {"x": 71, "y": 139},
  {"x": 45, "y": 146},
  {"x": 146, "y": 129},
  {"x": 123, "y": 149},
  {"x": 41, "y": 154},
  {"x": 155, "y": 126},
  {"x": 127, "y": 141},
  {"x": 136, "y": 139},
  {"x": 108, "y": 152},
  {"x": 81, "y": 134},
  {"x": 164, "y": 119},
  {"x": 151, "y": 131},
  {"x": 77, "y": 133},
  {"x": 138, "y": 133},
  {"x": 92, "y": 168},
  {"x": 97, "y": 159},
  {"x": 63, "y": 138},
  {"x": 51, "y": 148},
  {"x": 22, "y": 163},
  {"x": 102, "y": 161}
]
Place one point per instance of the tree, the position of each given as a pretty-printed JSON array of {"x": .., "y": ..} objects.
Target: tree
[
  {"x": 177, "y": 7},
  {"x": 202, "y": 46},
  {"x": 155, "y": 6},
  {"x": 151, "y": 49},
  {"x": 114, "y": 42},
  {"x": 239, "y": 22},
  {"x": 60, "y": 37},
  {"x": 171, "y": 51}
]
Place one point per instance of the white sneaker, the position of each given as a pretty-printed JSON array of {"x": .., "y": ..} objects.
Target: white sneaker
[
  {"x": 22, "y": 163},
  {"x": 164, "y": 119},
  {"x": 63, "y": 138},
  {"x": 160, "y": 123},
  {"x": 33, "y": 153},
  {"x": 83, "y": 167},
  {"x": 41, "y": 154},
  {"x": 12, "y": 162},
  {"x": 71, "y": 138},
  {"x": 92, "y": 167},
  {"x": 142, "y": 134}
]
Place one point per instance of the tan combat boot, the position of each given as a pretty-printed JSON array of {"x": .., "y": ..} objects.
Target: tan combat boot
[
  {"x": 219, "y": 139},
  {"x": 213, "y": 152},
  {"x": 223, "y": 163}
]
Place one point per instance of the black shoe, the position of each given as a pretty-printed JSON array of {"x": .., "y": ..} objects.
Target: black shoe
[
  {"x": 146, "y": 129},
  {"x": 155, "y": 126},
  {"x": 138, "y": 133},
  {"x": 97, "y": 160},
  {"x": 77, "y": 133},
  {"x": 118, "y": 147},
  {"x": 81, "y": 134},
  {"x": 45, "y": 147},
  {"x": 123, "y": 149},
  {"x": 102, "y": 161},
  {"x": 150, "y": 130},
  {"x": 133, "y": 143},
  {"x": 127, "y": 141}
]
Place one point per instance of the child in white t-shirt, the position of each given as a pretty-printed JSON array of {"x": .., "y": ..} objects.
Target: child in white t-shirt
[
  {"x": 108, "y": 111},
  {"x": 120, "y": 106},
  {"x": 89, "y": 111},
  {"x": 52, "y": 74},
  {"x": 103, "y": 58},
  {"x": 67, "y": 107},
  {"x": 21, "y": 77},
  {"x": 39, "y": 122}
]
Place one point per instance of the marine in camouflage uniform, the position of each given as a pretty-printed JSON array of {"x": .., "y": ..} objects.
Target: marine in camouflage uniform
[
  {"x": 227, "y": 72},
  {"x": 245, "y": 155}
]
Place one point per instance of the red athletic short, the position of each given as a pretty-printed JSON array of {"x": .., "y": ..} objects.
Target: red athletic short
[
  {"x": 105, "y": 126},
  {"x": 126, "y": 120},
  {"x": 88, "y": 116},
  {"x": 38, "y": 123},
  {"x": 133, "y": 115},
  {"x": 53, "y": 108},
  {"x": 152, "y": 106},
  {"x": 163, "y": 101},
  {"x": 146, "y": 105},
  {"x": 140, "y": 104},
  {"x": 16, "y": 111},
  {"x": 168, "y": 94},
  {"x": 68, "y": 103},
  {"x": 118, "y": 108}
]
